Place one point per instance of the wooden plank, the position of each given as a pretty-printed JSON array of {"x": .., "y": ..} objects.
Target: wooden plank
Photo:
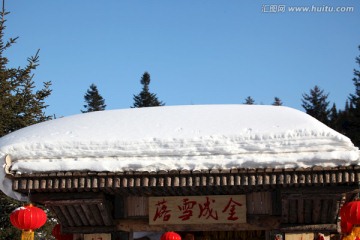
[
  {"x": 75, "y": 217},
  {"x": 75, "y": 196},
  {"x": 67, "y": 215},
  {"x": 81, "y": 215},
  {"x": 89, "y": 214},
  {"x": 308, "y": 228},
  {"x": 267, "y": 202},
  {"x": 316, "y": 211},
  {"x": 308, "y": 211},
  {"x": 74, "y": 202},
  {"x": 259, "y": 203},
  {"x": 89, "y": 229},
  {"x": 105, "y": 214},
  {"x": 59, "y": 215},
  {"x": 305, "y": 195},
  {"x": 300, "y": 210},
  {"x": 97, "y": 215},
  {"x": 276, "y": 202},
  {"x": 137, "y": 206},
  {"x": 255, "y": 222},
  {"x": 119, "y": 207},
  {"x": 293, "y": 211},
  {"x": 250, "y": 205},
  {"x": 284, "y": 210},
  {"x": 334, "y": 210},
  {"x": 324, "y": 215}
]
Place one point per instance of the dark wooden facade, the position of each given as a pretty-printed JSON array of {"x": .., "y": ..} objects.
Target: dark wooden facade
[{"x": 284, "y": 200}]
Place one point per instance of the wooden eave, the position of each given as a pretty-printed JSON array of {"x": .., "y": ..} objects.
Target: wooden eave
[
  {"x": 185, "y": 182},
  {"x": 85, "y": 202}
]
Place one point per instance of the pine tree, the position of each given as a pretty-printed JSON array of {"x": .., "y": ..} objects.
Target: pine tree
[
  {"x": 355, "y": 98},
  {"x": 316, "y": 104},
  {"x": 95, "y": 102},
  {"x": 334, "y": 117},
  {"x": 342, "y": 122},
  {"x": 20, "y": 106},
  {"x": 353, "y": 118},
  {"x": 277, "y": 102},
  {"x": 145, "y": 98},
  {"x": 249, "y": 100}
]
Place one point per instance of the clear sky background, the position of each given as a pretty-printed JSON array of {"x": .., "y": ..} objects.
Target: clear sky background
[{"x": 196, "y": 51}]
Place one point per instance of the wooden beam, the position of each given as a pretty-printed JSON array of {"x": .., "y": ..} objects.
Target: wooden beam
[
  {"x": 326, "y": 191},
  {"x": 309, "y": 228},
  {"x": 254, "y": 222},
  {"x": 89, "y": 229},
  {"x": 73, "y": 202},
  {"x": 74, "y": 196}
]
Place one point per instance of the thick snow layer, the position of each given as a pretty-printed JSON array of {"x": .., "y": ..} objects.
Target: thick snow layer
[{"x": 178, "y": 137}]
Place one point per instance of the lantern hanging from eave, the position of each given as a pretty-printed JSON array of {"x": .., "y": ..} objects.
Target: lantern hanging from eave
[
  {"x": 344, "y": 212},
  {"x": 28, "y": 218},
  {"x": 350, "y": 212},
  {"x": 170, "y": 236},
  {"x": 56, "y": 232},
  {"x": 346, "y": 227}
]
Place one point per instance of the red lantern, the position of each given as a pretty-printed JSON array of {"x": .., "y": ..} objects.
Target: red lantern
[
  {"x": 56, "y": 232},
  {"x": 344, "y": 211},
  {"x": 350, "y": 212},
  {"x": 170, "y": 236},
  {"x": 27, "y": 219},
  {"x": 346, "y": 227}
]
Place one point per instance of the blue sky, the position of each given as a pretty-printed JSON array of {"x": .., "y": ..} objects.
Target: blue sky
[{"x": 197, "y": 52}]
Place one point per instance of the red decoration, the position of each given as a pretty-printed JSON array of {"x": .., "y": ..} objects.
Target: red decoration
[
  {"x": 27, "y": 219},
  {"x": 56, "y": 232},
  {"x": 346, "y": 227},
  {"x": 344, "y": 211},
  {"x": 170, "y": 236},
  {"x": 350, "y": 212},
  {"x": 320, "y": 236}
]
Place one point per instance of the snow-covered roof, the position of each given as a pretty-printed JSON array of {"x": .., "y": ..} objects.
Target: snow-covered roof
[{"x": 194, "y": 137}]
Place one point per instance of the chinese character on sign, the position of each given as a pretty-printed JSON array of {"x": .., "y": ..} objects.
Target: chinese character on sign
[
  {"x": 206, "y": 211},
  {"x": 186, "y": 209},
  {"x": 162, "y": 211},
  {"x": 197, "y": 209},
  {"x": 232, "y": 211}
]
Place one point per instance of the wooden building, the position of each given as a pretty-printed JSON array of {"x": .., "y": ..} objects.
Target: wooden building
[
  {"x": 222, "y": 204},
  {"x": 277, "y": 200}
]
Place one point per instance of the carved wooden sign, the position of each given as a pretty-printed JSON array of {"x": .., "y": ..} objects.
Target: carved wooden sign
[{"x": 197, "y": 209}]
